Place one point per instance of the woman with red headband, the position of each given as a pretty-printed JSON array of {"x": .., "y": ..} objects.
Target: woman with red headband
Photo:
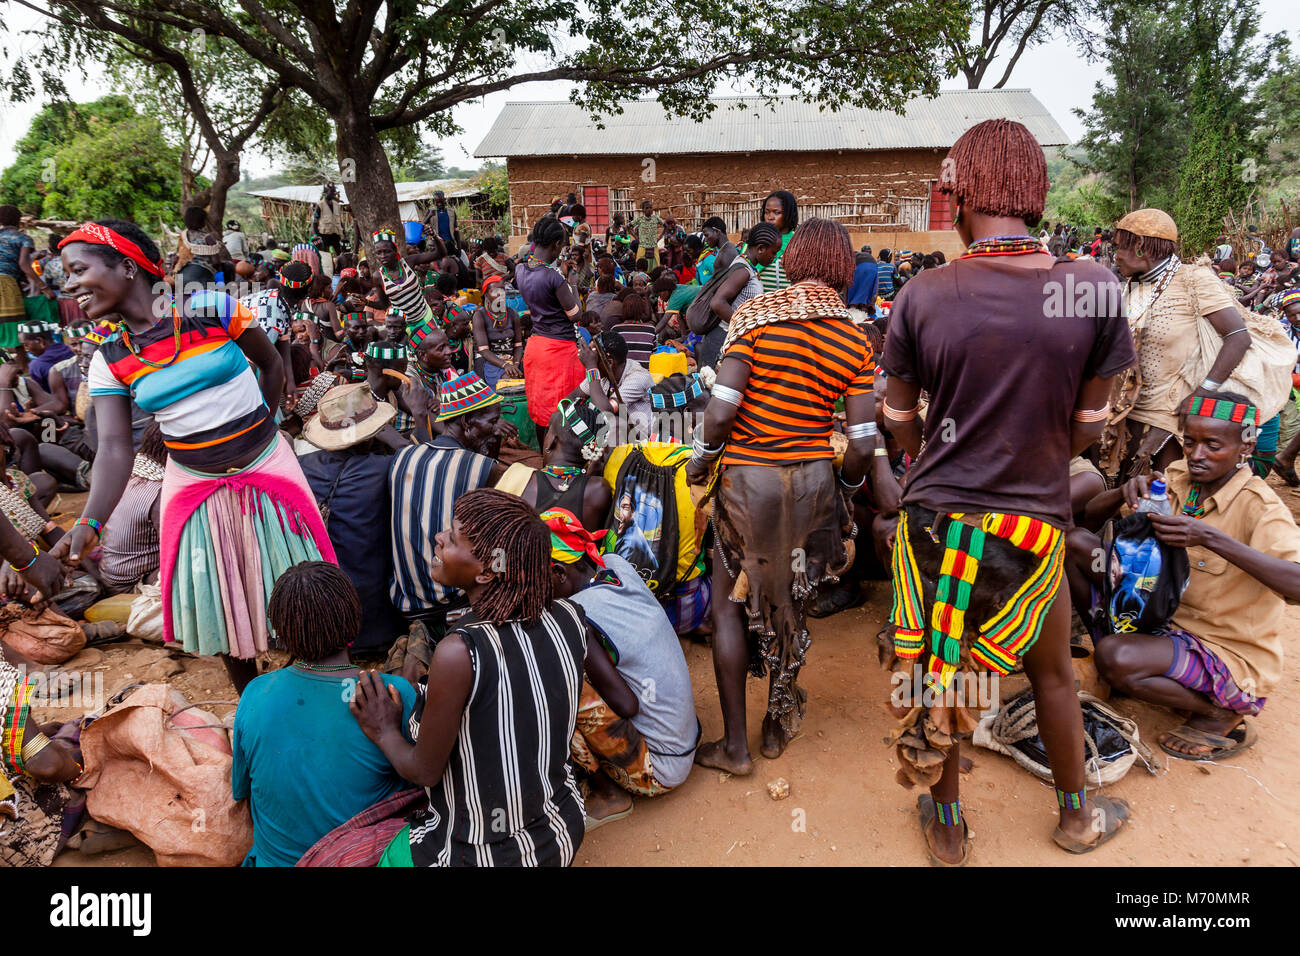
[
  {"x": 498, "y": 335},
  {"x": 235, "y": 503}
]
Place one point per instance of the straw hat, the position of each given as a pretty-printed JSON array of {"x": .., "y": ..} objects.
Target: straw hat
[
  {"x": 463, "y": 394},
  {"x": 1150, "y": 223},
  {"x": 347, "y": 416}
]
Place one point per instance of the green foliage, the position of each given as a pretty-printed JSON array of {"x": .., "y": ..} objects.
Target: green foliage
[
  {"x": 1278, "y": 132},
  {"x": 121, "y": 169},
  {"x": 492, "y": 180},
  {"x": 26, "y": 182}
]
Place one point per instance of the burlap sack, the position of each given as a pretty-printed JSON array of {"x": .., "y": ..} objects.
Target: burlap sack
[
  {"x": 44, "y": 636},
  {"x": 165, "y": 785}
]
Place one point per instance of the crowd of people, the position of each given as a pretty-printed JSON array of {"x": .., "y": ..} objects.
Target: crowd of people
[{"x": 474, "y": 500}]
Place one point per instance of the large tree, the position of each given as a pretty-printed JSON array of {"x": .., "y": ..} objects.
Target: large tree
[
  {"x": 1135, "y": 133},
  {"x": 1007, "y": 28},
  {"x": 379, "y": 65}
]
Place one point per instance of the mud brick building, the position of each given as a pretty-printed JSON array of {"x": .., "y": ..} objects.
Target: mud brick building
[{"x": 873, "y": 171}]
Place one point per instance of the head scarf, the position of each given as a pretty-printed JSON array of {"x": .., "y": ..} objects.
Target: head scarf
[
  {"x": 97, "y": 235},
  {"x": 570, "y": 541}
]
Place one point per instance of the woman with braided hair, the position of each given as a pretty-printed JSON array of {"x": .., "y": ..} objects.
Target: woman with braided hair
[
  {"x": 780, "y": 516},
  {"x": 498, "y": 707}
]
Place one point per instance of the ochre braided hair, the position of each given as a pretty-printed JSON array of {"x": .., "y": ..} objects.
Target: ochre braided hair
[
  {"x": 314, "y": 610},
  {"x": 820, "y": 249},
  {"x": 997, "y": 167},
  {"x": 515, "y": 546}
]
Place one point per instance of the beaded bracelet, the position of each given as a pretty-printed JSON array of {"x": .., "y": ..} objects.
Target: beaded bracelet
[
  {"x": 93, "y": 524},
  {"x": 35, "y": 555}
]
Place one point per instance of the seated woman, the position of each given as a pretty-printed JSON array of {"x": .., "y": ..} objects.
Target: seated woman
[
  {"x": 299, "y": 758},
  {"x": 628, "y": 741},
  {"x": 498, "y": 707},
  {"x": 567, "y": 480},
  {"x": 20, "y": 498},
  {"x": 1221, "y": 654}
]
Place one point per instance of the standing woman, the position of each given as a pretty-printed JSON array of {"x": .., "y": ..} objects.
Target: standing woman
[
  {"x": 781, "y": 210},
  {"x": 498, "y": 335},
  {"x": 788, "y": 358},
  {"x": 739, "y": 284},
  {"x": 236, "y": 509},
  {"x": 551, "y": 366}
]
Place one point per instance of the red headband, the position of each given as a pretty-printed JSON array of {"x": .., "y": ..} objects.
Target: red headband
[
  {"x": 97, "y": 235},
  {"x": 489, "y": 280}
]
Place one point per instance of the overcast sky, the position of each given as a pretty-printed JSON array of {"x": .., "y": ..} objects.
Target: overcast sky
[{"x": 1056, "y": 73}]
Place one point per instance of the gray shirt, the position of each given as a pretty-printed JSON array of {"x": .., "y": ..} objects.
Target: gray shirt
[{"x": 650, "y": 659}]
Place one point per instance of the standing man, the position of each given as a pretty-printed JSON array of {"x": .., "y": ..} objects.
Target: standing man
[
  {"x": 327, "y": 220},
  {"x": 443, "y": 219},
  {"x": 980, "y": 546},
  {"x": 646, "y": 228}
]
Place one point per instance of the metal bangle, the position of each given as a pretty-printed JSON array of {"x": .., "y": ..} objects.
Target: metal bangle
[
  {"x": 1234, "y": 332},
  {"x": 1210, "y": 385},
  {"x": 860, "y": 430},
  {"x": 861, "y": 482},
  {"x": 880, "y": 452},
  {"x": 724, "y": 394},
  {"x": 901, "y": 415}
]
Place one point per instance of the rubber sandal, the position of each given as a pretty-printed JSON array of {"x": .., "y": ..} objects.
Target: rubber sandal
[
  {"x": 1221, "y": 747},
  {"x": 1116, "y": 813},
  {"x": 594, "y": 824},
  {"x": 928, "y": 811}
]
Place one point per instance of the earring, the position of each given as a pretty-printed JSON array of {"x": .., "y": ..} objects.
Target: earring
[{"x": 1139, "y": 253}]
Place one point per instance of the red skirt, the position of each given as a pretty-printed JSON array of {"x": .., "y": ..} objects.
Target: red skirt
[{"x": 551, "y": 371}]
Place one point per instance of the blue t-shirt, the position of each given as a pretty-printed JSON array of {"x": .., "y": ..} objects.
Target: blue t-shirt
[
  {"x": 303, "y": 762},
  {"x": 12, "y": 244}
]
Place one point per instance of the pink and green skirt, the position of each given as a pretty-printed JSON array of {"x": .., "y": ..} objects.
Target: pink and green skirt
[{"x": 225, "y": 539}]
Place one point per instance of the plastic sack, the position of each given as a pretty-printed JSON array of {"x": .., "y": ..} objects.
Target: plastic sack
[
  {"x": 146, "y": 618},
  {"x": 1145, "y": 578},
  {"x": 165, "y": 781}
]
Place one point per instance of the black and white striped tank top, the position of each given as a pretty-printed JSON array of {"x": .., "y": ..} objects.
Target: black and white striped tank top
[
  {"x": 406, "y": 292},
  {"x": 507, "y": 796}
]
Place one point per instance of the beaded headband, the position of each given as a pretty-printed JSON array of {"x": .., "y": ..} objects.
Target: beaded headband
[
  {"x": 384, "y": 235},
  {"x": 384, "y": 353},
  {"x": 681, "y": 399},
  {"x": 288, "y": 283},
  {"x": 1223, "y": 410},
  {"x": 395, "y": 311},
  {"x": 31, "y": 328}
]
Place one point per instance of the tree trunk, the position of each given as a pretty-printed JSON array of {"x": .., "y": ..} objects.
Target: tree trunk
[
  {"x": 366, "y": 174},
  {"x": 225, "y": 176}
]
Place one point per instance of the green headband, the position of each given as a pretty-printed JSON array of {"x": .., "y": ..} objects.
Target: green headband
[
  {"x": 570, "y": 419},
  {"x": 384, "y": 353}
]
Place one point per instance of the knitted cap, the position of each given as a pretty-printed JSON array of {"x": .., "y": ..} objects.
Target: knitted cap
[{"x": 465, "y": 393}]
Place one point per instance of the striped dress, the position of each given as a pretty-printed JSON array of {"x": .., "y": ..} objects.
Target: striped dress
[{"x": 507, "y": 796}]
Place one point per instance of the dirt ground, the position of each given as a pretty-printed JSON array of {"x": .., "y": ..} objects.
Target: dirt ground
[{"x": 844, "y": 807}]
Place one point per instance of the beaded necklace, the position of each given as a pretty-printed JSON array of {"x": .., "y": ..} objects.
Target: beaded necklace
[
  {"x": 1193, "y": 507},
  {"x": 564, "y": 474},
  {"x": 176, "y": 341},
  {"x": 323, "y": 668},
  {"x": 1003, "y": 246}
]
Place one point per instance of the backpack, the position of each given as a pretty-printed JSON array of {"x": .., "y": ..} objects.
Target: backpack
[
  {"x": 700, "y": 319},
  {"x": 652, "y": 518},
  {"x": 1145, "y": 578}
]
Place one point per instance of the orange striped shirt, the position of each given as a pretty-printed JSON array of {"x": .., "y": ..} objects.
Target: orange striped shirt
[{"x": 798, "y": 370}]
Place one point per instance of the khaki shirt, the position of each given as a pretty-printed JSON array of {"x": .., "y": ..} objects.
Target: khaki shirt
[
  {"x": 1169, "y": 346},
  {"x": 1234, "y": 615}
]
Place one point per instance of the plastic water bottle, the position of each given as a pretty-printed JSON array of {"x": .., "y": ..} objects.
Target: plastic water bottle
[{"x": 1157, "y": 500}]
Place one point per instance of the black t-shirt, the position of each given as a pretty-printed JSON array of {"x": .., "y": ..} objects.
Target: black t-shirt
[{"x": 1003, "y": 351}]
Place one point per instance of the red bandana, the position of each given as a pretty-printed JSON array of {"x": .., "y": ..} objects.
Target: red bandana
[{"x": 98, "y": 235}]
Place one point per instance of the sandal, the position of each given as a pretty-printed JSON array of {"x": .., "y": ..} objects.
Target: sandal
[
  {"x": 925, "y": 804},
  {"x": 596, "y": 824},
  {"x": 1115, "y": 813},
  {"x": 1242, "y": 737},
  {"x": 840, "y": 598}
]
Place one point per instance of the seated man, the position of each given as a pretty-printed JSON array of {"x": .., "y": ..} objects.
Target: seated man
[
  {"x": 1221, "y": 654},
  {"x": 299, "y": 757},
  {"x": 643, "y": 739}
]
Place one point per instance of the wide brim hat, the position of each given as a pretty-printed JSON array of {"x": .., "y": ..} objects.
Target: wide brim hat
[
  {"x": 1150, "y": 224},
  {"x": 464, "y": 394},
  {"x": 347, "y": 415}
]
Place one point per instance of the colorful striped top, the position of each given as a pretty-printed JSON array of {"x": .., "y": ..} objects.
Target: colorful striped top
[
  {"x": 798, "y": 371},
  {"x": 207, "y": 396}
]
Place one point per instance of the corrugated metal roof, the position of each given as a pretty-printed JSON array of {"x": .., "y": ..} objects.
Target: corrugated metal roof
[
  {"x": 406, "y": 192},
  {"x": 747, "y": 124}
]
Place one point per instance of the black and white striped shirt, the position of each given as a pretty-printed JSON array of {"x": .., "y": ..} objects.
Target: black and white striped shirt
[{"x": 507, "y": 796}]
